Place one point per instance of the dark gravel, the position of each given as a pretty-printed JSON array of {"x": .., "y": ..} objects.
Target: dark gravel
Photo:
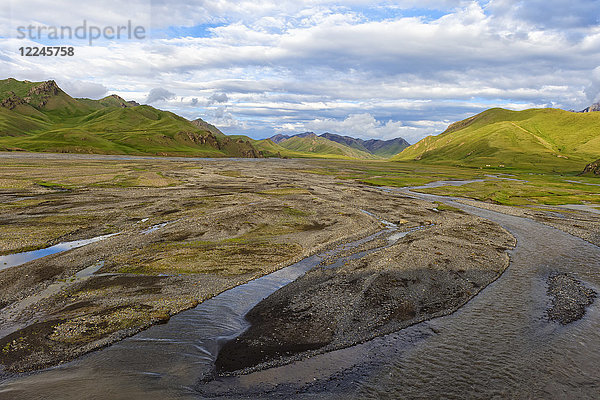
[{"x": 569, "y": 298}]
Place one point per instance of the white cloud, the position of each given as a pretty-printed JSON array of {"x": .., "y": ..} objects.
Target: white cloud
[
  {"x": 592, "y": 91},
  {"x": 365, "y": 126},
  {"x": 159, "y": 94},
  {"x": 77, "y": 88}
]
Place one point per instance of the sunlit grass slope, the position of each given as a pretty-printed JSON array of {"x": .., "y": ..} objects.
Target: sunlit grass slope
[{"x": 535, "y": 139}]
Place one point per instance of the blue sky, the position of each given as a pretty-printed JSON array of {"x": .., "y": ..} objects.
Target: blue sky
[{"x": 370, "y": 69}]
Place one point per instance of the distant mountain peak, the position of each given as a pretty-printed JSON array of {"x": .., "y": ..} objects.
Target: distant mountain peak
[{"x": 592, "y": 108}]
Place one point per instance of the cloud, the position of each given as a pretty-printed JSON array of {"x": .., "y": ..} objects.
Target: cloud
[
  {"x": 77, "y": 88},
  {"x": 592, "y": 91},
  {"x": 548, "y": 13},
  {"x": 218, "y": 98},
  {"x": 194, "y": 101},
  {"x": 159, "y": 94},
  {"x": 365, "y": 126}
]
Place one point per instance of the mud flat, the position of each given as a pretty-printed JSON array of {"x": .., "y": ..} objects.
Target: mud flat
[{"x": 186, "y": 230}]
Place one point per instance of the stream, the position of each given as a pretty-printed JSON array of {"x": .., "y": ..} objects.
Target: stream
[
  {"x": 13, "y": 260},
  {"x": 499, "y": 345}
]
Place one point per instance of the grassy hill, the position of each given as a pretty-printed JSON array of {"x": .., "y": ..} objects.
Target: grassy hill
[
  {"x": 377, "y": 147},
  {"x": 271, "y": 149},
  {"x": 313, "y": 145},
  {"x": 535, "y": 139},
  {"x": 39, "y": 116}
]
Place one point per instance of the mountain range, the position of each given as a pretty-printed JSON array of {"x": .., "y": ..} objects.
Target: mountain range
[
  {"x": 374, "y": 147},
  {"x": 40, "y": 116}
]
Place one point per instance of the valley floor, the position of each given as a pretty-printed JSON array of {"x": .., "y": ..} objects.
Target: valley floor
[{"x": 185, "y": 230}]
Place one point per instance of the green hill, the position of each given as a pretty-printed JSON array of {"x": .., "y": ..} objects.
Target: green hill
[
  {"x": 39, "y": 116},
  {"x": 271, "y": 149},
  {"x": 313, "y": 145},
  {"x": 377, "y": 147},
  {"x": 535, "y": 139}
]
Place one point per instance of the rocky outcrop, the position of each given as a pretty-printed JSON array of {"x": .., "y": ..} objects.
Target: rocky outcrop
[
  {"x": 40, "y": 94},
  {"x": 48, "y": 88},
  {"x": 592, "y": 108},
  {"x": 592, "y": 169},
  {"x": 12, "y": 101},
  {"x": 205, "y": 140},
  {"x": 205, "y": 126},
  {"x": 233, "y": 147}
]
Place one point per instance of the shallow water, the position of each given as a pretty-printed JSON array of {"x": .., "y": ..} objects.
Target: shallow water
[
  {"x": 580, "y": 207},
  {"x": 505, "y": 178},
  {"x": 437, "y": 184},
  {"x": 12, "y": 260},
  {"x": 582, "y": 183}
]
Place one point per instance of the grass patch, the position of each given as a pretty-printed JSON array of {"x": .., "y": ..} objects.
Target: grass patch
[
  {"x": 444, "y": 207},
  {"x": 231, "y": 173},
  {"x": 547, "y": 190},
  {"x": 227, "y": 257}
]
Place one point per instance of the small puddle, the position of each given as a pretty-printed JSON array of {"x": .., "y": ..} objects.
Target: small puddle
[
  {"x": 89, "y": 271},
  {"x": 53, "y": 289},
  {"x": 156, "y": 227},
  {"x": 13, "y": 260},
  {"x": 390, "y": 228}
]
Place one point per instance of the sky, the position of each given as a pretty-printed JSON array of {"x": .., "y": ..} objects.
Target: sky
[{"x": 368, "y": 69}]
